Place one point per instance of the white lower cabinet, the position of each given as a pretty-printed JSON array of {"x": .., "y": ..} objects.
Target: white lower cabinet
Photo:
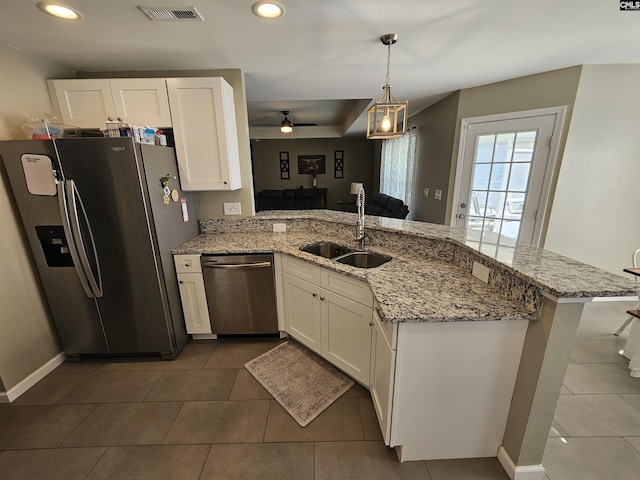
[
  {"x": 331, "y": 324},
  {"x": 383, "y": 367},
  {"x": 192, "y": 294},
  {"x": 302, "y": 311},
  {"x": 346, "y": 334}
]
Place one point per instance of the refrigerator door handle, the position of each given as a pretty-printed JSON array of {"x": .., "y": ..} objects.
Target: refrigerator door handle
[
  {"x": 66, "y": 225},
  {"x": 75, "y": 201}
]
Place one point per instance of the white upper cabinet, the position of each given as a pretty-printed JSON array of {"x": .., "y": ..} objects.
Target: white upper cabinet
[
  {"x": 83, "y": 103},
  {"x": 205, "y": 133},
  {"x": 87, "y": 103},
  {"x": 141, "y": 101}
]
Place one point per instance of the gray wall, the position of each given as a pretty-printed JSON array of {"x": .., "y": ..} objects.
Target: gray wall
[
  {"x": 596, "y": 208},
  {"x": 27, "y": 339},
  {"x": 547, "y": 89},
  {"x": 593, "y": 204},
  {"x": 436, "y": 133},
  {"x": 359, "y": 165}
]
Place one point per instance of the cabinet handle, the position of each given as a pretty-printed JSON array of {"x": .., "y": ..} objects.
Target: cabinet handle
[
  {"x": 180, "y": 282},
  {"x": 314, "y": 295},
  {"x": 371, "y": 324},
  {"x": 321, "y": 298}
]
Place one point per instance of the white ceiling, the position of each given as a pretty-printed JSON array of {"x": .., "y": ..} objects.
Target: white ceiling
[{"x": 324, "y": 57}]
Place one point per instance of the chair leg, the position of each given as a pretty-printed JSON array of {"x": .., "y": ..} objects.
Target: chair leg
[{"x": 624, "y": 325}]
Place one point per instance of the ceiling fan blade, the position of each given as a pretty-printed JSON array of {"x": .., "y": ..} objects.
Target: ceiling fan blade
[{"x": 294, "y": 125}]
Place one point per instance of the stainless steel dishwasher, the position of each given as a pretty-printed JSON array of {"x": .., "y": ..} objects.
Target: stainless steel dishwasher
[{"x": 240, "y": 293}]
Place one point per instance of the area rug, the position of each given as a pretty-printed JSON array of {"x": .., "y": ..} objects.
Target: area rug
[{"x": 301, "y": 381}]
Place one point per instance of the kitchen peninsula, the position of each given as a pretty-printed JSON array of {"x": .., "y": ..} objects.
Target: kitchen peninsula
[{"x": 470, "y": 339}]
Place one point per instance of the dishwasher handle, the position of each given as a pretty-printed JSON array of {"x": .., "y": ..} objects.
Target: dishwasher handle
[{"x": 231, "y": 266}]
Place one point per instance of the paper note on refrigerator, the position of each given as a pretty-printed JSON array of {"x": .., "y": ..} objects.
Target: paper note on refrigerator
[{"x": 185, "y": 211}]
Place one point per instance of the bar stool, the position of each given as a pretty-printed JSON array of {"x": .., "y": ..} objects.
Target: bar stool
[{"x": 635, "y": 260}]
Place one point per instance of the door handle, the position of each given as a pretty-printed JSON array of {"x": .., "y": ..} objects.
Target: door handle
[
  {"x": 74, "y": 202},
  {"x": 73, "y": 250},
  {"x": 236, "y": 265}
]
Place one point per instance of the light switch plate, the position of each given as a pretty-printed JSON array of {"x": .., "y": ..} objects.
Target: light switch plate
[
  {"x": 480, "y": 271},
  {"x": 232, "y": 208}
]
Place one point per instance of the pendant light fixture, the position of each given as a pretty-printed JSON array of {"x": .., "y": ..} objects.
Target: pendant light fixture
[
  {"x": 387, "y": 118},
  {"x": 285, "y": 125}
]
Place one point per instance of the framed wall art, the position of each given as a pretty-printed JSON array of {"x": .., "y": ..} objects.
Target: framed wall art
[
  {"x": 338, "y": 164},
  {"x": 313, "y": 164},
  {"x": 285, "y": 170}
]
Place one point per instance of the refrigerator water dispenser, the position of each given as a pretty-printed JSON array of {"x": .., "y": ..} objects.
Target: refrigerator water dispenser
[{"x": 54, "y": 246}]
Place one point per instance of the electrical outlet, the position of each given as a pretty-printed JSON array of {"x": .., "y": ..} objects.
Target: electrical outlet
[
  {"x": 279, "y": 228},
  {"x": 480, "y": 271},
  {"x": 437, "y": 195},
  {"x": 426, "y": 192},
  {"x": 232, "y": 208}
]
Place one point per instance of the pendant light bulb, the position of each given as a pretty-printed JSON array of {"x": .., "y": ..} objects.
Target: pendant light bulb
[{"x": 385, "y": 124}]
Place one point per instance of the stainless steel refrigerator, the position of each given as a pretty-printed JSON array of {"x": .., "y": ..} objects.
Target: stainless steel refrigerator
[{"x": 101, "y": 216}]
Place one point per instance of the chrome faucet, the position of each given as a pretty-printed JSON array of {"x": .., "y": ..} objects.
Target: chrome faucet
[{"x": 360, "y": 224}]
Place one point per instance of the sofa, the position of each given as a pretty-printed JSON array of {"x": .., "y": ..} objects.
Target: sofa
[{"x": 381, "y": 205}]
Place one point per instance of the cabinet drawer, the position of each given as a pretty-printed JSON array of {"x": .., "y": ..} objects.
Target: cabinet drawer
[
  {"x": 356, "y": 290},
  {"x": 301, "y": 269},
  {"x": 187, "y": 263}
]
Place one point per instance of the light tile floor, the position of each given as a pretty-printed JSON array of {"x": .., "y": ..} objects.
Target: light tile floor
[
  {"x": 204, "y": 417},
  {"x": 596, "y": 430}
]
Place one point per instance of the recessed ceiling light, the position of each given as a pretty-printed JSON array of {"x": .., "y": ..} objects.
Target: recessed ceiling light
[
  {"x": 268, "y": 9},
  {"x": 60, "y": 10}
]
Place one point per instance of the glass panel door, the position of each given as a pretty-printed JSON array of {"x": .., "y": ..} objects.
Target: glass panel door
[
  {"x": 503, "y": 178},
  {"x": 499, "y": 181}
]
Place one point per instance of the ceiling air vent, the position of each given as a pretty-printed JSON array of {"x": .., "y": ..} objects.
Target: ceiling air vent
[{"x": 159, "y": 14}]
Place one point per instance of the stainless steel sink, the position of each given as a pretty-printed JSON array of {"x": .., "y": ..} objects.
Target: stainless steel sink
[
  {"x": 325, "y": 249},
  {"x": 363, "y": 259}
]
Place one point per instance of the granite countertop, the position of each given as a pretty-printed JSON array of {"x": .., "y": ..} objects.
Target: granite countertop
[
  {"x": 406, "y": 289},
  {"x": 429, "y": 277}
]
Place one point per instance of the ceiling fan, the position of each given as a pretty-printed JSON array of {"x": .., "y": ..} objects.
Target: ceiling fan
[{"x": 286, "y": 125}]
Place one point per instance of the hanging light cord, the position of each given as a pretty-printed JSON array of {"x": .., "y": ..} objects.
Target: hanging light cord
[{"x": 388, "y": 78}]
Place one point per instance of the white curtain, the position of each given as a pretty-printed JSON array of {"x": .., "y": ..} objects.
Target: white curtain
[{"x": 397, "y": 169}]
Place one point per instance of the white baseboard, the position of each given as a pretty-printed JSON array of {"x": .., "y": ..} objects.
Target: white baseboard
[
  {"x": 31, "y": 380},
  {"x": 525, "y": 472},
  {"x": 204, "y": 336}
]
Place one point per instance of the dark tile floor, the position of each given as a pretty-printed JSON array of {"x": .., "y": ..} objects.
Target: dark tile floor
[
  {"x": 201, "y": 417},
  {"x": 204, "y": 417}
]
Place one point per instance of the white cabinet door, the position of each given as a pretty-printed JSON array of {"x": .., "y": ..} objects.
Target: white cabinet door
[
  {"x": 141, "y": 101},
  {"x": 84, "y": 103},
  {"x": 87, "y": 103},
  {"x": 194, "y": 303},
  {"x": 383, "y": 365},
  {"x": 302, "y": 311},
  {"x": 346, "y": 334},
  {"x": 205, "y": 133}
]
